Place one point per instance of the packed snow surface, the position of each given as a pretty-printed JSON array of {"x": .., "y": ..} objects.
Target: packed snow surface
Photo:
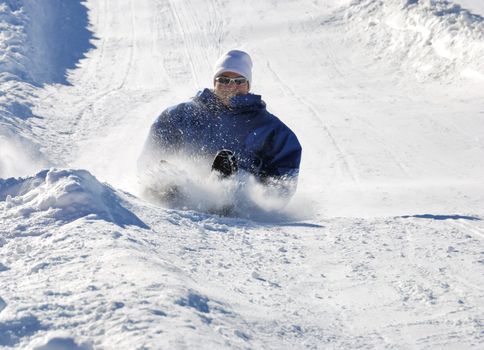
[{"x": 381, "y": 247}]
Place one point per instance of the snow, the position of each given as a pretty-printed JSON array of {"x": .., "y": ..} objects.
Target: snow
[
  {"x": 381, "y": 247},
  {"x": 63, "y": 195},
  {"x": 476, "y": 7}
]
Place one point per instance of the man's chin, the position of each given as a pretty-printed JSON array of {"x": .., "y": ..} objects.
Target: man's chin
[{"x": 226, "y": 98}]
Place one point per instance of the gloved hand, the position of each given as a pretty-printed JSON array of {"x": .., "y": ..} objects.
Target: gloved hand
[{"x": 225, "y": 163}]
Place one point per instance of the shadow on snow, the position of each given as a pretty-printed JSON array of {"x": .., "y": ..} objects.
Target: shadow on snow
[
  {"x": 11, "y": 332},
  {"x": 60, "y": 36},
  {"x": 441, "y": 217}
]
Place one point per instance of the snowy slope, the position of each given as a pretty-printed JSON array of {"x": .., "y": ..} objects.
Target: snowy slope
[
  {"x": 476, "y": 7},
  {"x": 381, "y": 246}
]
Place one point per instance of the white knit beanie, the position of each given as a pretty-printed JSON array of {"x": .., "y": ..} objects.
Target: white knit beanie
[{"x": 234, "y": 61}]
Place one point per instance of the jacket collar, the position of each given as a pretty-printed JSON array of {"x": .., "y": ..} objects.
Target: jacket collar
[{"x": 239, "y": 104}]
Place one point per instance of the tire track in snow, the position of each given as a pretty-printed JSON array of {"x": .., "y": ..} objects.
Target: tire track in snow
[
  {"x": 131, "y": 47},
  {"x": 342, "y": 155},
  {"x": 85, "y": 118},
  {"x": 335, "y": 65},
  {"x": 218, "y": 26},
  {"x": 375, "y": 132},
  {"x": 101, "y": 49},
  {"x": 156, "y": 41},
  {"x": 329, "y": 52},
  {"x": 187, "y": 43},
  {"x": 471, "y": 229},
  {"x": 100, "y": 82},
  {"x": 200, "y": 36},
  {"x": 64, "y": 133}
]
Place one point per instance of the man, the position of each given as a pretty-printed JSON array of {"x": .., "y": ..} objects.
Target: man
[{"x": 229, "y": 126}]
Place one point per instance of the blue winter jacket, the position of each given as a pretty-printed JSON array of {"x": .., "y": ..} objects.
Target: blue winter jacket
[{"x": 263, "y": 145}]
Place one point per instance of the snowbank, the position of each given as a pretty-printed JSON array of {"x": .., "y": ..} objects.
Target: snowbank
[
  {"x": 59, "y": 37},
  {"x": 428, "y": 39},
  {"x": 59, "y": 343},
  {"x": 64, "y": 195},
  {"x": 14, "y": 62},
  {"x": 17, "y": 155},
  {"x": 14, "y": 55},
  {"x": 39, "y": 43},
  {"x": 474, "y": 6}
]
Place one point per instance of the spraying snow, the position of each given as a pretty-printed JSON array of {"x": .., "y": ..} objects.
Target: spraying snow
[{"x": 186, "y": 182}]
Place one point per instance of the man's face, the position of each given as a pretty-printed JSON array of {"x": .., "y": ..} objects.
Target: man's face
[{"x": 226, "y": 91}]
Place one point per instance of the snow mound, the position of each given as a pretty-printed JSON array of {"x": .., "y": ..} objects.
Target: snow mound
[
  {"x": 63, "y": 344},
  {"x": 64, "y": 195},
  {"x": 430, "y": 39}
]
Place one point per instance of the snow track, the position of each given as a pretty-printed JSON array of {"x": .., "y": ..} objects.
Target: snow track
[{"x": 380, "y": 248}]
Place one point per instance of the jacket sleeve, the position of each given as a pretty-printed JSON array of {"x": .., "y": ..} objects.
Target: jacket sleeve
[
  {"x": 284, "y": 154},
  {"x": 281, "y": 167}
]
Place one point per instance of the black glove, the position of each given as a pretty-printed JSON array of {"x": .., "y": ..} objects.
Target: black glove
[{"x": 225, "y": 163}]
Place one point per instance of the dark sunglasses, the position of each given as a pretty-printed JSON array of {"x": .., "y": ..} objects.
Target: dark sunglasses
[{"x": 227, "y": 81}]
